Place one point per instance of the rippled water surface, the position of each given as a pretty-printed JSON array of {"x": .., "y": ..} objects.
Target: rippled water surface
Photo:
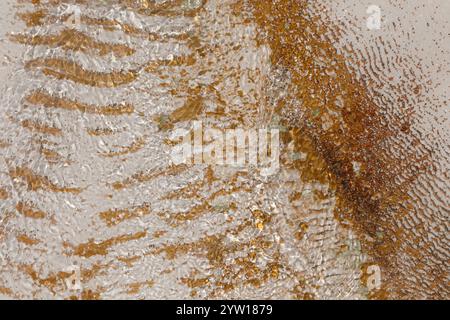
[{"x": 94, "y": 206}]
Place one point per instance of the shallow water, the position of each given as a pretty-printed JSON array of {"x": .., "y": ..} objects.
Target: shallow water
[{"x": 93, "y": 205}]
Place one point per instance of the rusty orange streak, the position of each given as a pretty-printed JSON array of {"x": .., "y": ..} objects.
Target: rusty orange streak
[
  {"x": 70, "y": 70},
  {"x": 27, "y": 240},
  {"x": 3, "y": 194},
  {"x": 116, "y": 216},
  {"x": 175, "y": 62},
  {"x": 41, "y": 17},
  {"x": 41, "y": 128},
  {"x": 36, "y": 182},
  {"x": 91, "y": 248},
  {"x": 49, "y": 101},
  {"x": 144, "y": 177},
  {"x": 29, "y": 211},
  {"x": 134, "y": 147},
  {"x": 74, "y": 40}
]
